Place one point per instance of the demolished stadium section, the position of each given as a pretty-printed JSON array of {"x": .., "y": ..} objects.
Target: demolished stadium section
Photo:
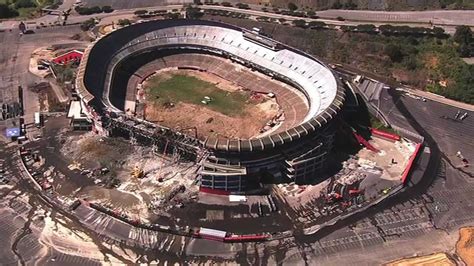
[{"x": 296, "y": 152}]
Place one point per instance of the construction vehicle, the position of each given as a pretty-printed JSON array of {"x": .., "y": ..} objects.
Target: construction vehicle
[
  {"x": 333, "y": 197},
  {"x": 137, "y": 172}
]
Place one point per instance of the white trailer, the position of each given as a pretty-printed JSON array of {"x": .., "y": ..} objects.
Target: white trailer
[
  {"x": 212, "y": 234},
  {"x": 38, "y": 119}
]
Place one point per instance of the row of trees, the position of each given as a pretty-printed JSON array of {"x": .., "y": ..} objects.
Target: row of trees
[
  {"x": 312, "y": 24},
  {"x": 224, "y": 13},
  {"x": 93, "y": 10},
  {"x": 148, "y": 14},
  {"x": 389, "y": 30},
  {"x": 167, "y": 15}
]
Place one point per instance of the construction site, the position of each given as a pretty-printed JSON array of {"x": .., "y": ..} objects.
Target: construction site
[
  {"x": 192, "y": 138},
  {"x": 152, "y": 187}
]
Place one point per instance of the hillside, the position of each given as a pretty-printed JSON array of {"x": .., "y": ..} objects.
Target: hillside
[{"x": 388, "y": 5}]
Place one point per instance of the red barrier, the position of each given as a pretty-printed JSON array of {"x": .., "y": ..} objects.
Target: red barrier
[
  {"x": 410, "y": 163},
  {"x": 364, "y": 142},
  {"x": 384, "y": 134},
  {"x": 214, "y": 191}
]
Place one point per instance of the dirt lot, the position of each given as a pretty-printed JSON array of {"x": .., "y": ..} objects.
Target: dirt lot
[
  {"x": 148, "y": 197},
  {"x": 434, "y": 259},
  {"x": 465, "y": 245},
  {"x": 254, "y": 111}
]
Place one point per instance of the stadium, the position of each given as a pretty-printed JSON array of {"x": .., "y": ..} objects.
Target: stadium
[{"x": 294, "y": 140}]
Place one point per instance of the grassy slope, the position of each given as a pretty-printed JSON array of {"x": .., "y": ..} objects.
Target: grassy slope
[
  {"x": 188, "y": 89},
  {"x": 388, "y": 5}
]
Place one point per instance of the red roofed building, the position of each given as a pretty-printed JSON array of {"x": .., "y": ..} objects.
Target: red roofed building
[{"x": 71, "y": 56}]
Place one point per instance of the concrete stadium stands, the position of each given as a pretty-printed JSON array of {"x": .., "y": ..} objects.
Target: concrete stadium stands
[{"x": 311, "y": 101}]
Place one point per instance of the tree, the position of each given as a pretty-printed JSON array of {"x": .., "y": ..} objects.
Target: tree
[
  {"x": 124, "y": 22},
  {"x": 107, "y": 9},
  {"x": 337, "y": 5},
  {"x": 24, "y": 4},
  {"x": 193, "y": 12},
  {"x": 140, "y": 12},
  {"x": 316, "y": 24},
  {"x": 292, "y": 6},
  {"x": 394, "y": 52},
  {"x": 438, "y": 32},
  {"x": 88, "y": 24},
  {"x": 7, "y": 12},
  {"x": 242, "y": 6},
  {"x": 463, "y": 35},
  {"x": 299, "y": 23}
]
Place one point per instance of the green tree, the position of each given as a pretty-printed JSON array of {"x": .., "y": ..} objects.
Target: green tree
[
  {"x": 193, "y": 12},
  {"x": 7, "y": 12},
  {"x": 292, "y": 6},
  {"x": 299, "y": 23},
  {"x": 316, "y": 24},
  {"x": 124, "y": 22},
  {"x": 88, "y": 24},
  {"x": 140, "y": 12},
  {"x": 463, "y": 35},
  {"x": 394, "y": 52},
  {"x": 107, "y": 9},
  {"x": 24, "y": 4}
]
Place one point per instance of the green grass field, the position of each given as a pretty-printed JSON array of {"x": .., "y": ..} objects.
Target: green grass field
[{"x": 189, "y": 89}]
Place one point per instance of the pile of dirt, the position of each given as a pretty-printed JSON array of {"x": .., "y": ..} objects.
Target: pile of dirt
[
  {"x": 440, "y": 259},
  {"x": 465, "y": 245}
]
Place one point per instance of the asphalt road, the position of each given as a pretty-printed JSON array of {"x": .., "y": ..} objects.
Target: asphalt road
[
  {"x": 438, "y": 17},
  {"x": 446, "y": 19}
]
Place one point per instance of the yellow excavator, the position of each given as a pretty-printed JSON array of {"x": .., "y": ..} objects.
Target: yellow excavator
[{"x": 137, "y": 172}]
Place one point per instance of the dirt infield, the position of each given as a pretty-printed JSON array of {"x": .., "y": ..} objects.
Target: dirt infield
[{"x": 173, "y": 99}]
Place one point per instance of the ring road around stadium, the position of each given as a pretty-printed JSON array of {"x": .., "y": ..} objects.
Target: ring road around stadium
[{"x": 296, "y": 151}]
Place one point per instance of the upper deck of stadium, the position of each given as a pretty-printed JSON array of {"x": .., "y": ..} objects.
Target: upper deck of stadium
[{"x": 307, "y": 74}]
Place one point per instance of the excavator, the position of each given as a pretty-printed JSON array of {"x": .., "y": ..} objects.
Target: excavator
[{"x": 137, "y": 172}]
